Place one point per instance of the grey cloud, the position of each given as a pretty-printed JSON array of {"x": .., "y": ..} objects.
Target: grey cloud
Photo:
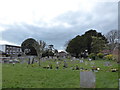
[
  {"x": 103, "y": 18},
  {"x": 56, "y": 36}
]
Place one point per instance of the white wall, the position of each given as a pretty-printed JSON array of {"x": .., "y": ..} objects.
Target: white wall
[{"x": 2, "y": 48}]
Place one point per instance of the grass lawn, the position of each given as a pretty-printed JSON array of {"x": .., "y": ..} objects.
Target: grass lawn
[{"x": 21, "y": 76}]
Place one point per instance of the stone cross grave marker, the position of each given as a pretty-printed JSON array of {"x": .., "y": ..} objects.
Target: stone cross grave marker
[{"x": 87, "y": 79}]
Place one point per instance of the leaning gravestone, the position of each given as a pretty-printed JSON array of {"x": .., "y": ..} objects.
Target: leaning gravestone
[{"x": 87, "y": 79}]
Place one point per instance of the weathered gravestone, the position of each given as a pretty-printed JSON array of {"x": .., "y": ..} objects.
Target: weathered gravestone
[{"x": 87, "y": 79}]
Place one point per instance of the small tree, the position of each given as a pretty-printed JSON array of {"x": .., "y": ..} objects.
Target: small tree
[
  {"x": 92, "y": 56},
  {"x": 100, "y": 55},
  {"x": 40, "y": 45}
]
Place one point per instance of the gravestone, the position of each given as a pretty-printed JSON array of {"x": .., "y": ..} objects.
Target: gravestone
[
  {"x": 73, "y": 58},
  {"x": 92, "y": 63},
  {"x": 22, "y": 62},
  {"x": 0, "y": 60},
  {"x": 107, "y": 64},
  {"x": 89, "y": 59},
  {"x": 119, "y": 83},
  {"x": 87, "y": 79},
  {"x": 77, "y": 59},
  {"x": 65, "y": 65},
  {"x": 81, "y": 61},
  {"x": 50, "y": 57},
  {"x": 58, "y": 63},
  {"x": 30, "y": 59}
]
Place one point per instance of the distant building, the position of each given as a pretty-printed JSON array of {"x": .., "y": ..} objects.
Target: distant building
[
  {"x": 2, "y": 54},
  {"x": 63, "y": 54},
  {"x": 11, "y": 50}
]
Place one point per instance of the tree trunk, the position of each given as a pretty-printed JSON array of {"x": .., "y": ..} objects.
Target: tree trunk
[
  {"x": 39, "y": 59},
  {"x": 77, "y": 55}
]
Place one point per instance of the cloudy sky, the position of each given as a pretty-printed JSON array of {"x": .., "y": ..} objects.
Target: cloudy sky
[{"x": 54, "y": 21}]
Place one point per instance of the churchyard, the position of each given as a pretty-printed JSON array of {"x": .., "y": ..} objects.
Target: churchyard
[{"x": 62, "y": 74}]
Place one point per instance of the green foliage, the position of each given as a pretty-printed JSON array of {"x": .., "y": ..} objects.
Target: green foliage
[
  {"x": 75, "y": 46},
  {"x": 100, "y": 55},
  {"x": 109, "y": 57},
  {"x": 28, "y": 44},
  {"x": 97, "y": 45},
  {"x": 93, "y": 41},
  {"x": 92, "y": 56}
]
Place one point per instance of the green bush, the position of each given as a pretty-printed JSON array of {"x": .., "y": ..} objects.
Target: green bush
[
  {"x": 92, "y": 56},
  {"x": 109, "y": 57},
  {"x": 100, "y": 55}
]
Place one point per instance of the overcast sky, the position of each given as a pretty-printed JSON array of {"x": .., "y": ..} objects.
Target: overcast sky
[{"x": 54, "y": 21}]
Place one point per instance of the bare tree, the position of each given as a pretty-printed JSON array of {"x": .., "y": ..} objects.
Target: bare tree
[
  {"x": 39, "y": 46},
  {"x": 112, "y": 37},
  {"x": 31, "y": 46}
]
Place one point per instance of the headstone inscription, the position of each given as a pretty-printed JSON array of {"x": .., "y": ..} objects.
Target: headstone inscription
[{"x": 87, "y": 79}]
